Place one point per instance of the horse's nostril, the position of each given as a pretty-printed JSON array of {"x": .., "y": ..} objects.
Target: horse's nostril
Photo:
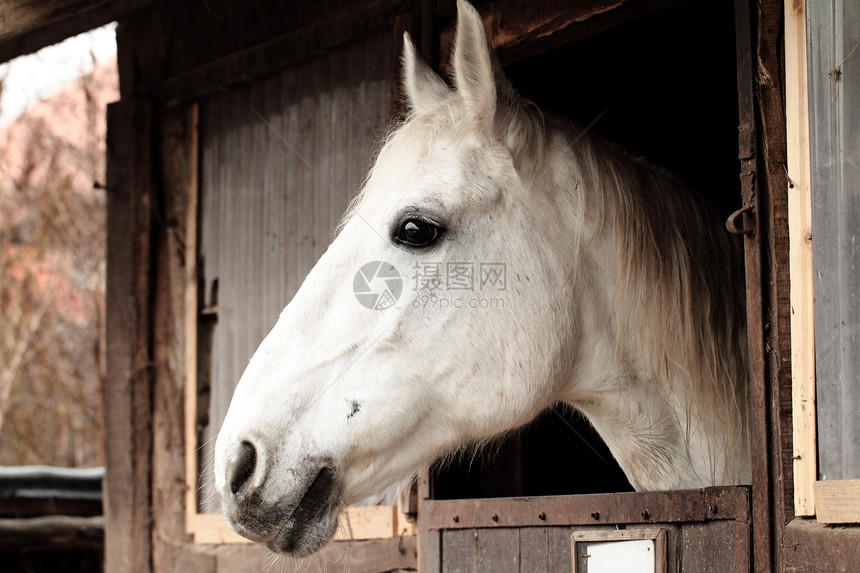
[{"x": 243, "y": 467}]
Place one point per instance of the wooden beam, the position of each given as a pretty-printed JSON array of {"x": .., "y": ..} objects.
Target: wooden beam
[
  {"x": 523, "y": 29},
  {"x": 688, "y": 506},
  {"x": 772, "y": 187},
  {"x": 28, "y": 26},
  {"x": 800, "y": 238}
]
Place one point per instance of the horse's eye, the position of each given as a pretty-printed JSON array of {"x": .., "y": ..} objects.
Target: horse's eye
[{"x": 418, "y": 233}]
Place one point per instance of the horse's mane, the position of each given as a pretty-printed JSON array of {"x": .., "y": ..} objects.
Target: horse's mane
[{"x": 679, "y": 289}]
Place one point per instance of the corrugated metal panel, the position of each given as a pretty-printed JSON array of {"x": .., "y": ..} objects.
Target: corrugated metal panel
[
  {"x": 281, "y": 159},
  {"x": 834, "y": 98}
]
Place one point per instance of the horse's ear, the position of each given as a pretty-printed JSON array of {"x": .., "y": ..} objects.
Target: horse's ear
[
  {"x": 488, "y": 94},
  {"x": 424, "y": 89},
  {"x": 474, "y": 69}
]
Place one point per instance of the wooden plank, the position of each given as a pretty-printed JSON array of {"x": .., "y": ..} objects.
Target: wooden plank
[
  {"x": 376, "y": 556},
  {"x": 743, "y": 545},
  {"x": 837, "y": 501},
  {"x": 812, "y": 547},
  {"x": 429, "y": 536},
  {"x": 356, "y": 523},
  {"x": 375, "y": 522},
  {"x": 191, "y": 311},
  {"x": 534, "y": 549},
  {"x": 800, "y": 237},
  {"x": 459, "y": 551},
  {"x": 212, "y": 529},
  {"x": 51, "y": 533},
  {"x": 190, "y": 559},
  {"x": 128, "y": 383},
  {"x": 210, "y": 201},
  {"x": 498, "y": 550},
  {"x": 558, "y": 547},
  {"x": 49, "y": 505},
  {"x": 707, "y": 547}
]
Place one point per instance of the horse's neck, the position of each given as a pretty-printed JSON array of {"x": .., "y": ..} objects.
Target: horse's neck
[
  {"x": 643, "y": 422},
  {"x": 649, "y": 438}
]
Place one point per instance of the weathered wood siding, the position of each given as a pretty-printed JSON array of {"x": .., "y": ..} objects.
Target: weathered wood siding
[{"x": 281, "y": 159}]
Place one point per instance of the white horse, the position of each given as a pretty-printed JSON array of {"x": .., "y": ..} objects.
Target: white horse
[{"x": 522, "y": 262}]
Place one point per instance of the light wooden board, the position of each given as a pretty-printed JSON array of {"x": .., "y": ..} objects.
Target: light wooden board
[
  {"x": 191, "y": 469},
  {"x": 800, "y": 238},
  {"x": 356, "y": 523},
  {"x": 838, "y": 501}
]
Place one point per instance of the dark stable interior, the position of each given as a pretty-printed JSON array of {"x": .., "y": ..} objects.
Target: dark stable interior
[{"x": 666, "y": 86}]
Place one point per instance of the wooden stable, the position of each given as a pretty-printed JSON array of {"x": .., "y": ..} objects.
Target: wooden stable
[{"x": 247, "y": 127}]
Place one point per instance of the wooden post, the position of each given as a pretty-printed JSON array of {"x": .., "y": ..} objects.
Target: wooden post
[
  {"x": 128, "y": 384},
  {"x": 174, "y": 467}
]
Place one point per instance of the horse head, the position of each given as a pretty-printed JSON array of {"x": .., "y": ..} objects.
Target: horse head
[{"x": 469, "y": 287}]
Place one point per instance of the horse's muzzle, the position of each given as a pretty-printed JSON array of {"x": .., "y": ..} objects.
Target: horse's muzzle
[{"x": 297, "y": 517}]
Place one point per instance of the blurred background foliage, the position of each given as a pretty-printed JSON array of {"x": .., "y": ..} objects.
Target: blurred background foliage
[{"x": 52, "y": 260}]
